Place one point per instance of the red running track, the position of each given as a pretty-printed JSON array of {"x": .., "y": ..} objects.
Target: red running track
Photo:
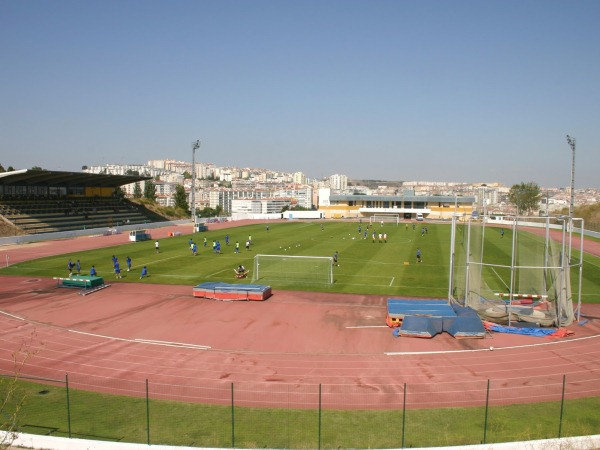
[{"x": 115, "y": 339}]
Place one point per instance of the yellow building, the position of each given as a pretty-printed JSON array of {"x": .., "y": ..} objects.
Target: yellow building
[{"x": 407, "y": 206}]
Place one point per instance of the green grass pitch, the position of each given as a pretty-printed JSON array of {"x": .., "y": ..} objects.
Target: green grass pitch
[{"x": 364, "y": 267}]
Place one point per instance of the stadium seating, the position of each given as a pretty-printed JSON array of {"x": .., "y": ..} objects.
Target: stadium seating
[{"x": 67, "y": 214}]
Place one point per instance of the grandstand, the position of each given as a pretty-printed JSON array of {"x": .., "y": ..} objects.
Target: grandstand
[{"x": 41, "y": 201}]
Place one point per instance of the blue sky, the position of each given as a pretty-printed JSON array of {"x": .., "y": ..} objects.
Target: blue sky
[{"x": 471, "y": 91}]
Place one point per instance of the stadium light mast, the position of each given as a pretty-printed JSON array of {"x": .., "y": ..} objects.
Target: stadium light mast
[
  {"x": 195, "y": 146},
  {"x": 571, "y": 142}
]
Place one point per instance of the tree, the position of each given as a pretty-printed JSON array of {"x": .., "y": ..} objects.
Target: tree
[
  {"x": 210, "y": 212},
  {"x": 187, "y": 175},
  {"x": 525, "y": 196},
  {"x": 137, "y": 191},
  {"x": 181, "y": 198},
  {"x": 132, "y": 172},
  {"x": 2, "y": 169},
  {"x": 36, "y": 168},
  {"x": 119, "y": 192},
  {"x": 11, "y": 397},
  {"x": 150, "y": 191}
]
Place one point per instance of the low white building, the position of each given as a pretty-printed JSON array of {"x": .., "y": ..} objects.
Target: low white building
[{"x": 259, "y": 206}]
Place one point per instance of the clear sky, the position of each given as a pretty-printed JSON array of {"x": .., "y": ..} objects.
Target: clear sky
[{"x": 450, "y": 90}]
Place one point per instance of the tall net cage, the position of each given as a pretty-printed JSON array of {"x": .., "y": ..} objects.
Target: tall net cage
[{"x": 517, "y": 269}]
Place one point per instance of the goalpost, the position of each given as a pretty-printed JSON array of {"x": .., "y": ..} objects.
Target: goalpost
[
  {"x": 287, "y": 269},
  {"x": 388, "y": 218}
]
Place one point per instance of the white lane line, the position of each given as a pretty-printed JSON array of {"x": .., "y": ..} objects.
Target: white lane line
[
  {"x": 172, "y": 344},
  {"x": 99, "y": 335},
  {"x": 512, "y": 347},
  {"x": 146, "y": 341},
  {"x": 12, "y": 315}
]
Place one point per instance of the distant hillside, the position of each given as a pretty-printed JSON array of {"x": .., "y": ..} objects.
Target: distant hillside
[
  {"x": 160, "y": 213},
  {"x": 373, "y": 184},
  {"x": 589, "y": 213},
  {"x": 8, "y": 229}
]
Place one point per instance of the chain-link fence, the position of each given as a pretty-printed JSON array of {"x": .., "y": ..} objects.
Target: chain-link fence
[{"x": 298, "y": 416}]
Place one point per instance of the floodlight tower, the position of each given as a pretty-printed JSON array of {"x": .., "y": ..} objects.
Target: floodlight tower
[
  {"x": 195, "y": 146},
  {"x": 571, "y": 142}
]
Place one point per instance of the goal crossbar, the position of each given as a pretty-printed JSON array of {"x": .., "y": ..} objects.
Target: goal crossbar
[{"x": 390, "y": 218}]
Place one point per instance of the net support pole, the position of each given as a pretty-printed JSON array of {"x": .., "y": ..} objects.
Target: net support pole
[
  {"x": 564, "y": 266},
  {"x": 580, "y": 271},
  {"x": 320, "y": 415},
  {"x": 147, "y": 413},
  {"x": 68, "y": 404},
  {"x": 403, "y": 414},
  {"x": 512, "y": 267},
  {"x": 562, "y": 406},
  {"x": 468, "y": 268},
  {"x": 452, "y": 251},
  {"x": 487, "y": 408},
  {"x": 546, "y": 252},
  {"x": 232, "y": 419}
]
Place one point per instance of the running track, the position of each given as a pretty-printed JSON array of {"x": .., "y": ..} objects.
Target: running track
[{"x": 115, "y": 339}]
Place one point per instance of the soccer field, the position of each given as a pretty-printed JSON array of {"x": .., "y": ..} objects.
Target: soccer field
[{"x": 365, "y": 266}]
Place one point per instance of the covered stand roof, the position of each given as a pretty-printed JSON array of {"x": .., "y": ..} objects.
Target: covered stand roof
[{"x": 33, "y": 177}]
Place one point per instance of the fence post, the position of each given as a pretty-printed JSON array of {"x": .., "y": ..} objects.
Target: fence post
[
  {"x": 562, "y": 406},
  {"x": 147, "y": 414},
  {"x": 403, "y": 414},
  {"x": 320, "y": 416},
  {"x": 487, "y": 404},
  {"x": 232, "y": 420},
  {"x": 68, "y": 404}
]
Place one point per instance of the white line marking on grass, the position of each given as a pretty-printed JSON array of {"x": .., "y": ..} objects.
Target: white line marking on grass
[
  {"x": 429, "y": 288},
  {"x": 156, "y": 261},
  {"x": 500, "y": 278},
  {"x": 166, "y": 275},
  {"x": 210, "y": 275},
  {"x": 392, "y": 282},
  {"x": 43, "y": 269}
]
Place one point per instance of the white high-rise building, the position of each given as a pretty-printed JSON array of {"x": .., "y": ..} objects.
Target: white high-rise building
[
  {"x": 299, "y": 178},
  {"x": 338, "y": 182}
]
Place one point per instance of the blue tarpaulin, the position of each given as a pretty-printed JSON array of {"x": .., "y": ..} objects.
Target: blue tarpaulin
[{"x": 541, "y": 332}]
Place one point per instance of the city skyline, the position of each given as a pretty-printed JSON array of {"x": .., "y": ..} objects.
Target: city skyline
[
  {"x": 460, "y": 91},
  {"x": 155, "y": 168}
]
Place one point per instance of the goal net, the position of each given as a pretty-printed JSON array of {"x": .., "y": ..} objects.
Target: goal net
[
  {"x": 291, "y": 270},
  {"x": 387, "y": 218}
]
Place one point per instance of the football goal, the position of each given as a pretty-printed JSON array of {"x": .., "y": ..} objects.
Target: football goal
[
  {"x": 387, "y": 218},
  {"x": 291, "y": 270}
]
